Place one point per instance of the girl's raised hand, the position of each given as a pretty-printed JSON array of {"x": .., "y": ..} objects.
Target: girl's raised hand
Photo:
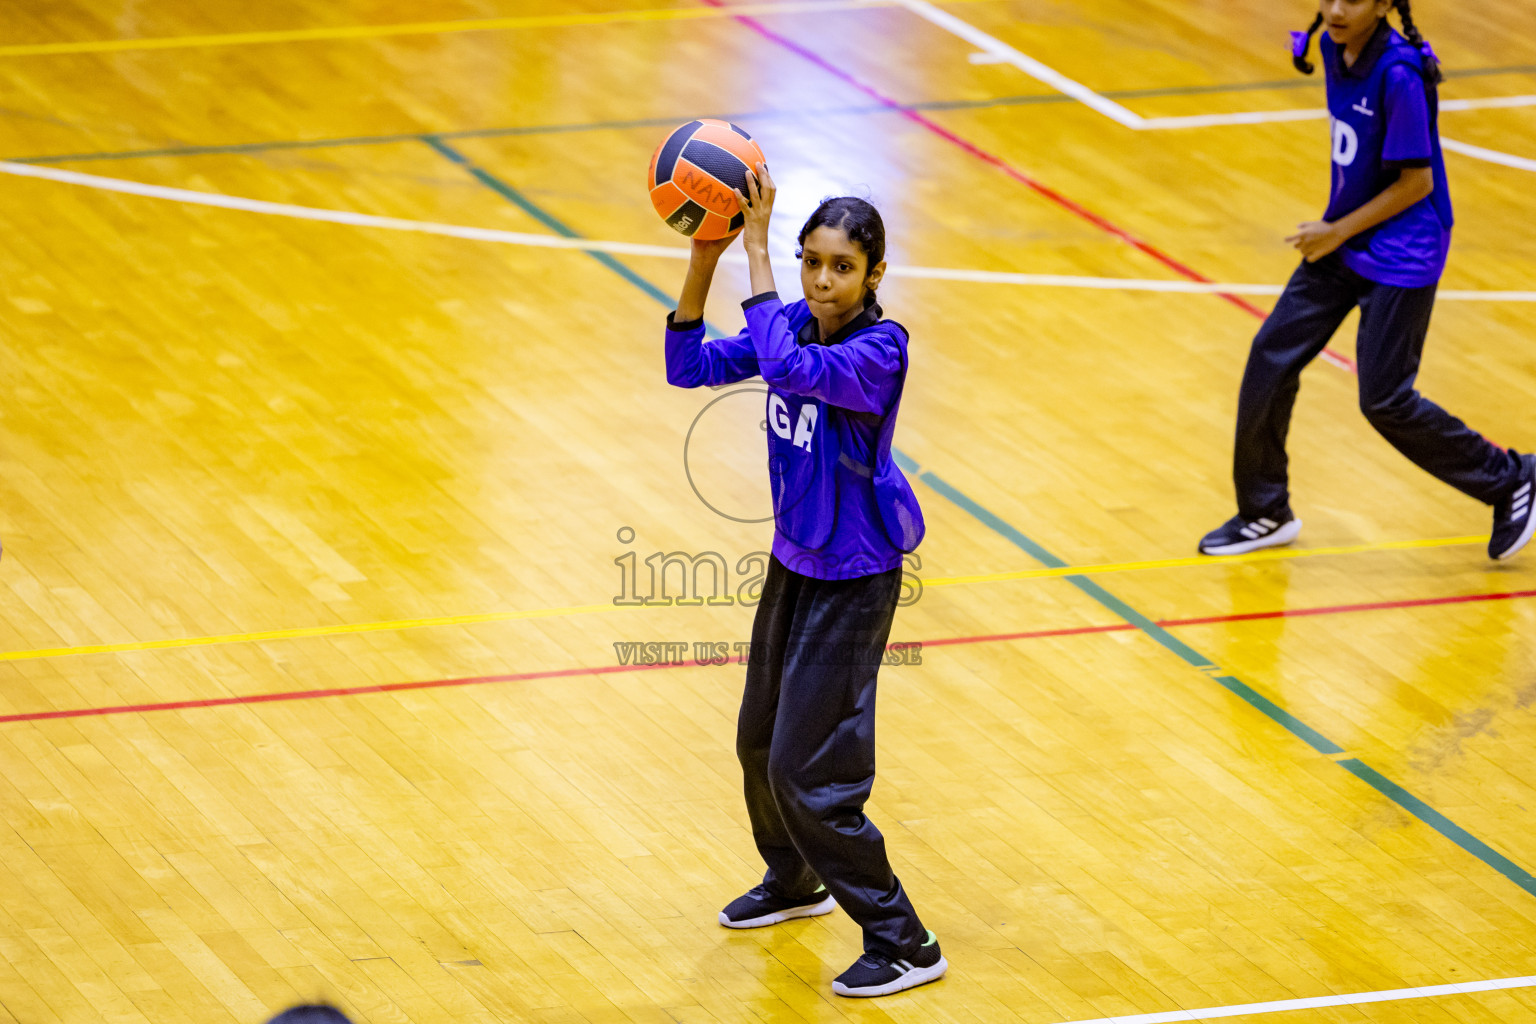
[
  {"x": 709, "y": 249},
  {"x": 757, "y": 207}
]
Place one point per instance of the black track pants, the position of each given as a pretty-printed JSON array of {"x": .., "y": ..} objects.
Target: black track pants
[
  {"x": 1393, "y": 326},
  {"x": 806, "y": 741}
]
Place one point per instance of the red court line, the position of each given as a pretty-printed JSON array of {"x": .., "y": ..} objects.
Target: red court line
[
  {"x": 340, "y": 691},
  {"x": 1118, "y": 627},
  {"x": 1040, "y": 188},
  {"x": 1336, "y": 609},
  {"x": 513, "y": 677}
]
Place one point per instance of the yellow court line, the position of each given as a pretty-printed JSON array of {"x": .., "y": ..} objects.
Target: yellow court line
[
  {"x": 1269, "y": 555},
  {"x": 593, "y": 609},
  {"x": 310, "y": 631},
  {"x": 422, "y": 28}
]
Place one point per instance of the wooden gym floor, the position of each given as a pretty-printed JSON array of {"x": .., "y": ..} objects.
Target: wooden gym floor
[{"x": 313, "y": 526}]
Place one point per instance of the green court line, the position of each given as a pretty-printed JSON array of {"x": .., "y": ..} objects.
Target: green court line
[
  {"x": 1440, "y": 823},
  {"x": 1322, "y": 744},
  {"x": 552, "y": 222},
  {"x": 1274, "y": 712},
  {"x": 1028, "y": 99},
  {"x": 1315, "y": 739}
]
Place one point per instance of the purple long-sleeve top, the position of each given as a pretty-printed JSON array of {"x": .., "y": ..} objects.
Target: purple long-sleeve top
[{"x": 858, "y": 371}]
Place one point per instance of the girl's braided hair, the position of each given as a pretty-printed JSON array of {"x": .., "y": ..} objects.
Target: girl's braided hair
[
  {"x": 1301, "y": 43},
  {"x": 1431, "y": 62}
]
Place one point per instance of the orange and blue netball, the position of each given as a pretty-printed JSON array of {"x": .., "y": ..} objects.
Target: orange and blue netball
[{"x": 693, "y": 173}]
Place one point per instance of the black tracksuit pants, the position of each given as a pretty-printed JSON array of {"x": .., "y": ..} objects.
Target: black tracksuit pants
[
  {"x": 1393, "y": 326},
  {"x": 806, "y": 741}
]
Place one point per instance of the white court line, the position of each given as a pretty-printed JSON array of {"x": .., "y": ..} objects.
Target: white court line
[
  {"x": 362, "y": 220},
  {"x": 1005, "y": 54},
  {"x": 1129, "y": 284},
  {"x": 1239, "y": 118},
  {"x": 995, "y": 51},
  {"x": 1478, "y": 296},
  {"x": 670, "y": 252},
  {"x": 1493, "y": 156},
  {"x": 1317, "y": 1002},
  {"x": 1315, "y": 113},
  {"x": 1489, "y": 103}
]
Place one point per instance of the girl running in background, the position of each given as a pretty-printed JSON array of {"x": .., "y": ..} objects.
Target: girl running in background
[
  {"x": 1381, "y": 246},
  {"x": 844, "y": 516}
]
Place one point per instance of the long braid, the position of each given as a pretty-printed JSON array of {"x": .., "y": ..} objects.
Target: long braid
[
  {"x": 1431, "y": 62},
  {"x": 1301, "y": 42}
]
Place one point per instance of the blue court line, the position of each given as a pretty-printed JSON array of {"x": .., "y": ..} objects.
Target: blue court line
[
  {"x": 1028, "y": 99},
  {"x": 1295, "y": 726}
]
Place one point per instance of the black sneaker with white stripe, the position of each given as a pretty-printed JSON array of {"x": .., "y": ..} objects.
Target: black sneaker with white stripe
[
  {"x": 1238, "y": 536},
  {"x": 758, "y": 908},
  {"x": 1513, "y": 522},
  {"x": 875, "y": 974}
]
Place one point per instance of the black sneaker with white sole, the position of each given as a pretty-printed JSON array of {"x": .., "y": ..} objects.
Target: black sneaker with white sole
[
  {"x": 759, "y": 908},
  {"x": 875, "y": 974},
  {"x": 1513, "y": 522},
  {"x": 1238, "y": 536}
]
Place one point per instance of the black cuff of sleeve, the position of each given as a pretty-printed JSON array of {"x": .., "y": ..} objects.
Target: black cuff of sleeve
[
  {"x": 686, "y": 325},
  {"x": 757, "y": 300},
  {"x": 1402, "y": 164}
]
